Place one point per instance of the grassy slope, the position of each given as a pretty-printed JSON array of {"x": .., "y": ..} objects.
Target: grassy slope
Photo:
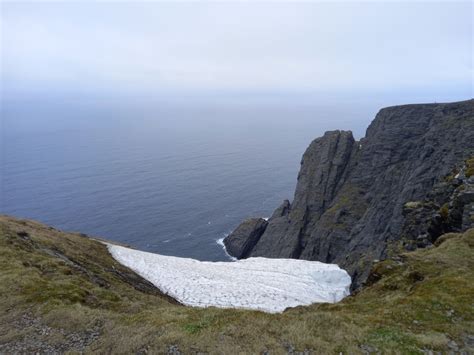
[{"x": 63, "y": 291}]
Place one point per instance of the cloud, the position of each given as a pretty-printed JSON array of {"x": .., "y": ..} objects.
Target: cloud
[{"x": 167, "y": 46}]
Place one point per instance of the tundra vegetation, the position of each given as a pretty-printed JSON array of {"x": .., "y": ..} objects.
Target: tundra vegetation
[{"x": 64, "y": 292}]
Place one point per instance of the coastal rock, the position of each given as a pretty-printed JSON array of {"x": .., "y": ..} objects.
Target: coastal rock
[
  {"x": 242, "y": 240},
  {"x": 286, "y": 234},
  {"x": 348, "y": 205}
]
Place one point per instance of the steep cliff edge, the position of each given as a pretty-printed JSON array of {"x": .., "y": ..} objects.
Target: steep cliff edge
[{"x": 349, "y": 200}]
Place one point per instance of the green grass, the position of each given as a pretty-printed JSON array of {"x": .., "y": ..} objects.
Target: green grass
[
  {"x": 470, "y": 167},
  {"x": 393, "y": 337},
  {"x": 444, "y": 211},
  {"x": 413, "y": 204},
  {"x": 71, "y": 284}
]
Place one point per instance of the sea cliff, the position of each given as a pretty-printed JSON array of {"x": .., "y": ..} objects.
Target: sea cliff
[{"x": 348, "y": 205}]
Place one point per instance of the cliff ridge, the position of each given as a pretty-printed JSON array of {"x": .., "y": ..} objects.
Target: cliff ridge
[{"x": 348, "y": 206}]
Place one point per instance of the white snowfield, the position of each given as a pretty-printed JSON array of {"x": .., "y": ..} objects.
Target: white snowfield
[{"x": 269, "y": 285}]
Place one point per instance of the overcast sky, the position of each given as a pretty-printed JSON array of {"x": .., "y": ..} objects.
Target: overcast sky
[{"x": 164, "y": 47}]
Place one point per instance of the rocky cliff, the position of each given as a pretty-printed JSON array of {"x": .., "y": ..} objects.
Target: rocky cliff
[{"x": 349, "y": 201}]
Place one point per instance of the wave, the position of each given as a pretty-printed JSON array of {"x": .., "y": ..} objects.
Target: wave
[{"x": 220, "y": 242}]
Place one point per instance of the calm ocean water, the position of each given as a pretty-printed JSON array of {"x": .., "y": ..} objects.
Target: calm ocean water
[{"x": 163, "y": 177}]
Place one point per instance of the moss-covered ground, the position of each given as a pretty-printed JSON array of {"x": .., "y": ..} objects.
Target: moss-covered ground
[{"x": 63, "y": 292}]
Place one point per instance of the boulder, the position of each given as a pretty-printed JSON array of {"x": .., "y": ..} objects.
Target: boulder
[{"x": 241, "y": 241}]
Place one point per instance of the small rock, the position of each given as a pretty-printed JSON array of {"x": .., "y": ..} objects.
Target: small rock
[
  {"x": 453, "y": 345},
  {"x": 469, "y": 340},
  {"x": 368, "y": 349},
  {"x": 173, "y": 350}
]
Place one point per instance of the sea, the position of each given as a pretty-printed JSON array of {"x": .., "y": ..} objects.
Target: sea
[{"x": 166, "y": 176}]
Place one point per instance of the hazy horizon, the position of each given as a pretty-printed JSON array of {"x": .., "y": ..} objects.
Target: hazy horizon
[{"x": 360, "y": 51}]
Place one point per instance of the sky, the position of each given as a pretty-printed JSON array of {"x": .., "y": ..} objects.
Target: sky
[{"x": 199, "y": 47}]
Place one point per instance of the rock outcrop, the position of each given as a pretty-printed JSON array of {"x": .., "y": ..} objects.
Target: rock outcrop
[
  {"x": 350, "y": 196},
  {"x": 449, "y": 207},
  {"x": 241, "y": 241}
]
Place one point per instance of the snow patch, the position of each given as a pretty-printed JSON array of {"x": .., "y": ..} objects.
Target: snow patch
[{"x": 269, "y": 285}]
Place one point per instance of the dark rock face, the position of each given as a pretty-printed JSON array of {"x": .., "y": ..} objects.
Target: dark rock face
[
  {"x": 241, "y": 241},
  {"x": 289, "y": 230},
  {"x": 447, "y": 208},
  {"x": 349, "y": 198}
]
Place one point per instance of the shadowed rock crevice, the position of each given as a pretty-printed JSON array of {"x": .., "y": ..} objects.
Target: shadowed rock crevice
[{"x": 349, "y": 197}]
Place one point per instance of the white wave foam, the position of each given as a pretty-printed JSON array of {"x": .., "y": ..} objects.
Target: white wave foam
[{"x": 221, "y": 243}]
